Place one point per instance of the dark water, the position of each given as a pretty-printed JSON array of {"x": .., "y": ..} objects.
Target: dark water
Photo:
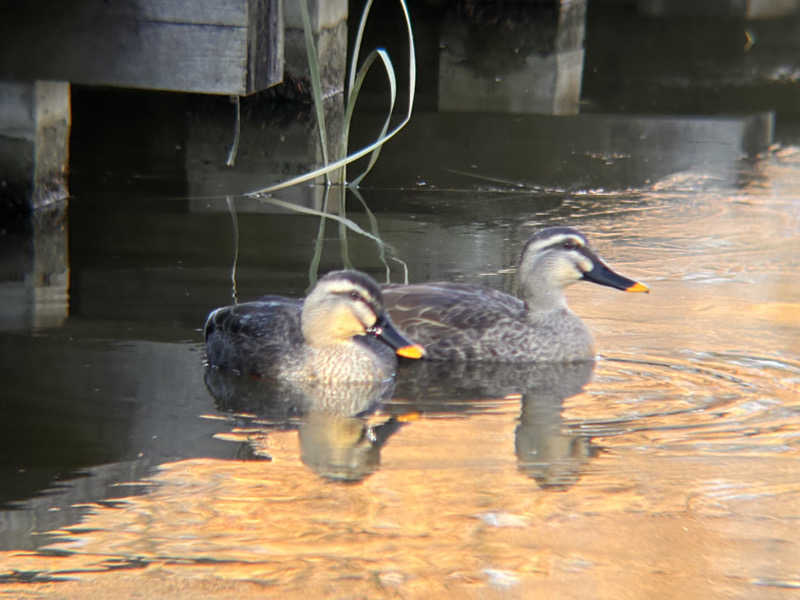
[{"x": 668, "y": 467}]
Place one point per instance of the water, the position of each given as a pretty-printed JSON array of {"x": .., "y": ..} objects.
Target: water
[
  {"x": 667, "y": 469},
  {"x": 671, "y": 467}
]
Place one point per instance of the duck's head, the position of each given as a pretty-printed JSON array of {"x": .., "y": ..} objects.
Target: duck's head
[
  {"x": 557, "y": 257},
  {"x": 345, "y": 304}
]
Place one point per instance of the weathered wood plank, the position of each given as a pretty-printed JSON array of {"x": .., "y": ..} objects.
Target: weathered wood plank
[
  {"x": 265, "y": 44},
  {"x": 224, "y": 47},
  {"x": 196, "y": 12}
]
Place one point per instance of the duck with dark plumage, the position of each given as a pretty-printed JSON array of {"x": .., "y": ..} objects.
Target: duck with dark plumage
[{"x": 339, "y": 333}]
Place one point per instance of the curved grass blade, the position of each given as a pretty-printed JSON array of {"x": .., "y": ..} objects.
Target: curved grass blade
[
  {"x": 356, "y": 79},
  {"x": 235, "y": 266},
  {"x": 310, "y": 211},
  {"x": 351, "y": 225},
  {"x": 313, "y": 266},
  {"x": 362, "y": 25},
  {"x": 338, "y": 164},
  {"x": 343, "y": 245},
  {"x": 316, "y": 84},
  {"x": 373, "y": 222},
  {"x": 237, "y": 130},
  {"x": 351, "y": 102}
]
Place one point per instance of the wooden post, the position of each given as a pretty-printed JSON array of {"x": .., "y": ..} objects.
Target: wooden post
[
  {"x": 34, "y": 141},
  {"x": 329, "y": 26},
  {"x": 536, "y": 66},
  {"x": 749, "y": 9},
  {"x": 34, "y": 137}
]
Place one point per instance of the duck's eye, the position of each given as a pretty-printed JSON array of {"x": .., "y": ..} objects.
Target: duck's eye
[
  {"x": 354, "y": 295},
  {"x": 569, "y": 245}
]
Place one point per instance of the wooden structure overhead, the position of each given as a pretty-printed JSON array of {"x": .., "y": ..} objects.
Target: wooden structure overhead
[{"x": 206, "y": 46}]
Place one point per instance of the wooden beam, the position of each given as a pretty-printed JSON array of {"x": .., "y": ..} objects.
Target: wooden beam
[{"x": 208, "y": 46}]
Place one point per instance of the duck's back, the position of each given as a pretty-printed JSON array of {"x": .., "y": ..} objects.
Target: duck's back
[
  {"x": 256, "y": 338},
  {"x": 464, "y": 322}
]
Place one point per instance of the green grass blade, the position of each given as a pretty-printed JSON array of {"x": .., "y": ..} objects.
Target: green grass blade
[
  {"x": 343, "y": 245},
  {"x": 362, "y": 25},
  {"x": 338, "y": 164},
  {"x": 313, "y": 266},
  {"x": 382, "y": 247},
  {"x": 353, "y": 96},
  {"x": 235, "y": 266},
  {"x": 237, "y": 130},
  {"x": 316, "y": 84},
  {"x": 351, "y": 225}
]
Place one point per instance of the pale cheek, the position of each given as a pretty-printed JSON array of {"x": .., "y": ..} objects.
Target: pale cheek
[
  {"x": 569, "y": 274},
  {"x": 365, "y": 316},
  {"x": 586, "y": 265},
  {"x": 345, "y": 324},
  {"x": 351, "y": 326}
]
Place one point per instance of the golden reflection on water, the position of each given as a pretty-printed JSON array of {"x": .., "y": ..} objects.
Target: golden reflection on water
[
  {"x": 680, "y": 472},
  {"x": 656, "y": 514}
]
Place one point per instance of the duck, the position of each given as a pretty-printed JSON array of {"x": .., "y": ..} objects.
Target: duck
[
  {"x": 464, "y": 322},
  {"x": 339, "y": 333}
]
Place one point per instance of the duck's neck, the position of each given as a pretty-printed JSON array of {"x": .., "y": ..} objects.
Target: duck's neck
[{"x": 541, "y": 298}]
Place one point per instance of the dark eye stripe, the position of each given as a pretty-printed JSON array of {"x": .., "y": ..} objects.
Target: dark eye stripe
[
  {"x": 356, "y": 296},
  {"x": 565, "y": 244}
]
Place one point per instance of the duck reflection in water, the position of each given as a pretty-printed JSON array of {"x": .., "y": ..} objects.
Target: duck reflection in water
[
  {"x": 336, "y": 439},
  {"x": 547, "y": 450},
  {"x": 320, "y": 364}
]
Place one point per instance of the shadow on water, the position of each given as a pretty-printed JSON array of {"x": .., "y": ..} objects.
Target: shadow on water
[{"x": 91, "y": 423}]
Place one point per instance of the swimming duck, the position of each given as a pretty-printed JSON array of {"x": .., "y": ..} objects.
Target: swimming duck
[
  {"x": 464, "y": 322},
  {"x": 339, "y": 333}
]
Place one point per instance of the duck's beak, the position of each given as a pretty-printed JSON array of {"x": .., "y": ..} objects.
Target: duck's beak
[
  {"x": 385, "y": 331},
  {"x": 638, "y": 287},
  {"x": 603, "y": 275}
]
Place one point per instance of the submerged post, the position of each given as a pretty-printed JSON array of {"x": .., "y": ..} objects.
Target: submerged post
[
  {"x": 34, "y": 137},
  {"x": 518, "y": 58}
]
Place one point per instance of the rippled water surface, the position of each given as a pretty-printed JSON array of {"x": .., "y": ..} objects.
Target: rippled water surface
[
  {"x": 669, "y": 468},
  {"x": 671, "y": 465}
]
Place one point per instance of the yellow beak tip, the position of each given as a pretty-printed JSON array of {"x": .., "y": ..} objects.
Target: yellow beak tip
[
  {"x": 638, "y": 287},
  {"x": 412, "y": 351},
  {"x": 408, "y": 417}
]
